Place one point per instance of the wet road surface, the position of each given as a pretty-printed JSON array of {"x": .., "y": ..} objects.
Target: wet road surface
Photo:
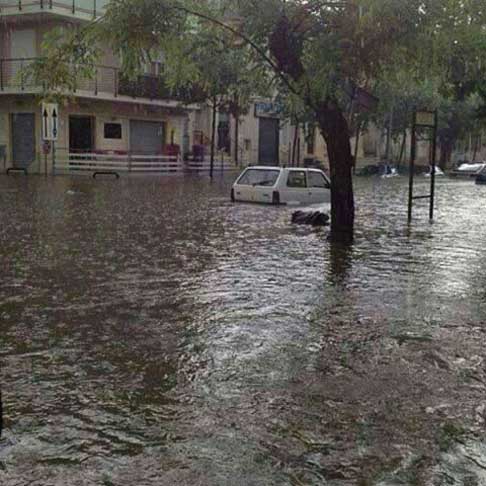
[{"x": 153, "y": 333}]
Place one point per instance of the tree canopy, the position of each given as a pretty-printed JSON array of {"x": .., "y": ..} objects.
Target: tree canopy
[{"x": 315, "y": 53}]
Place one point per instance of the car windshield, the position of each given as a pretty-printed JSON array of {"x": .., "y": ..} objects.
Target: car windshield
[{"x": 259, "y": 177}]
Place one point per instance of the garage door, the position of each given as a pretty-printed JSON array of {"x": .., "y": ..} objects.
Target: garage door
[
  {"x": 146, "y": 137},
  {"x": 23, "y": 139}
]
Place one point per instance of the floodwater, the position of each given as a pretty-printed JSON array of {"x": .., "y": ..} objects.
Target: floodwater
[{"x": 153, "y": 333}]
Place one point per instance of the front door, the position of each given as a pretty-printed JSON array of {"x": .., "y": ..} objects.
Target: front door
[
  {"x": 23, "y": 139},
  {"x": 268, "y": 143},
  {"x": 319, "y": 187},
  {"x": 297, "y": 190},
  {"x": 81, "y": 134}
]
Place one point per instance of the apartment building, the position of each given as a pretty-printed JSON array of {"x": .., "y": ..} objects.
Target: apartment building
[{"x": 106, "y": 116}]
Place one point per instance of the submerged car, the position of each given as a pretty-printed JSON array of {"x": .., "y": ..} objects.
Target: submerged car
[
  {"x": 468, "y": 169},
  {"x": 282, "y": 185},
  {"x": 437, "y": 172}
]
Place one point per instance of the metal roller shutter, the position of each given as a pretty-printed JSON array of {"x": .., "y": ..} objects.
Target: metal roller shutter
[
  {"x": 146, "y": 137},
  {"x": 23, "y": 139}
]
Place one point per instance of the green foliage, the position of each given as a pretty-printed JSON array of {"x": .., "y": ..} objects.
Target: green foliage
[
  {"x": 68, "y": 55},
  {"x": 413, "y": 54}
]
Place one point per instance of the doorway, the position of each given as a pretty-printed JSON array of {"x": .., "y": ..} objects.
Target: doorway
[
  {"x": 23, "y": 139},
  {"x": 81, "y": 134},
  {"x": 269, "y": 140}
]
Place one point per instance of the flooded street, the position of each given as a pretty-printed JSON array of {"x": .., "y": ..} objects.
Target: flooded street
[{"x": 153, "y": 333}]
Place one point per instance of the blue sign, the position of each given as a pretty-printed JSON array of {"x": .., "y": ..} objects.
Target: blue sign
[{"x": 268, "y": 109}]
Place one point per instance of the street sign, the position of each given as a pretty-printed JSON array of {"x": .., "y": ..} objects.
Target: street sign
[
  {"x": 425, "y": 119},
  {"x": 50, "y": 121},
  {"x": 46, "y": 147}
]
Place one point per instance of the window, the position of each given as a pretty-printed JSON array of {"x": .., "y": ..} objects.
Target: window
[
  {"x": 259, "y": 177},
  {"x": 296, "y": 179},
  {"x": 317, "y": 180},
  {"x": 113, "y": 130}
]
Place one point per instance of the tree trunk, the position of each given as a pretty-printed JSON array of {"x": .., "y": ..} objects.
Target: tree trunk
[
  {"x": 445, "y": 153},
  {"x": 402, "y": 149},
  {"x": 388, "y": 136},
  {"x": 237, "y": 134},
  {"x": 294, "y": 144},
  {"x": 213, "y": 138},
  {"x": 335, "y": 131},
  {"x": 356, "y": 147}
]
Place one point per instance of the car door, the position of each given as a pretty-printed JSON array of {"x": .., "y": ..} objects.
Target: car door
[
  {"x": 296, "y": 190},
  {"x": 256, "y": 185},
  {"x": 319, "y": 187}
]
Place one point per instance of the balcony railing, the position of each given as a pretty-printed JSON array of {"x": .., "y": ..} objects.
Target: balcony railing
[
  {"x": 106, "y": 81},
  {"x": 83, "y": 8}
]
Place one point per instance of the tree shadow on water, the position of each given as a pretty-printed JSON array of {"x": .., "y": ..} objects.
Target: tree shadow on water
[{"x": 340, "y": 260}]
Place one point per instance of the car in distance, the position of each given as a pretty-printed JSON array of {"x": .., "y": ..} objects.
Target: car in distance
[{"x": 282, "y": 185}]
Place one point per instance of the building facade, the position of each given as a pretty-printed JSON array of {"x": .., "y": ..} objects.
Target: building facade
[{"x": 107, "y": 115}]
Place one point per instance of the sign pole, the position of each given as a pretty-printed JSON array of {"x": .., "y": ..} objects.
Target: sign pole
[
  {"x": 53, "y": 156},
  {"x": 412, "y": 168},
  {"x": 433, "y": 164}
]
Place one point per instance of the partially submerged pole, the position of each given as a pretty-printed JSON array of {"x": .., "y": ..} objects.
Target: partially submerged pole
[
  {"x": 213, "y": 138},
  {"x": 412, "y": 168},
  {"x": 432, "y": 165}
]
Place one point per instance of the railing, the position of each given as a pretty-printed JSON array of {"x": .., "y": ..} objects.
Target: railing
[
  {"x": 106, "y": 80},
  {"x": 78, "y": 163},
  {"x": 13, "y": 76},
  {"x": 222, "y": 162},
  {"x": 82, "y": 8}
]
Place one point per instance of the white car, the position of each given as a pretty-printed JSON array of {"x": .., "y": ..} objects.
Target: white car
[{"x": 282, "y": 185}]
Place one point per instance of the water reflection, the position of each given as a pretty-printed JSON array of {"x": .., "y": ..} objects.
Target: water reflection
[
  {"x": 154, "y": 333},
  {"x": 340, "y": 261}
]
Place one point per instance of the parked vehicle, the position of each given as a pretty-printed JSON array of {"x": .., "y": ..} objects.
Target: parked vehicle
[
  {"x": 282, "y": 185},
  {"x": 389, "y": 171},
  {"x": 468, "y": 169},
  {"x": 481, "y": 176},
  {"x": 438, "y": 172}
]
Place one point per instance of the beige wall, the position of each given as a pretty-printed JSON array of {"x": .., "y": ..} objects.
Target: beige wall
[
  {"x": 107, "y": 143},
  {"x": 102, "y": 112}
]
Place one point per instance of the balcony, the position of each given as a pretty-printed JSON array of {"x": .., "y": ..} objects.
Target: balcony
[
  {"x": 107, "y": 83},
  {"x": 86, "y": 9}
]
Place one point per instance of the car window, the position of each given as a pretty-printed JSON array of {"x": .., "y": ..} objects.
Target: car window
[
  {"x": 259, "y": 177},
  {"x": 296, "y": 179},
  {"x": 317, "y": 180}
]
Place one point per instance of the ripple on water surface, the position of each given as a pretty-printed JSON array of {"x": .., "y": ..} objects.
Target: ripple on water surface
[{"x": 154, "y": 333}]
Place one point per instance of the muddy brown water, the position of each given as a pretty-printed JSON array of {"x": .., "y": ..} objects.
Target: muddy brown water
[{"x": 153, "y": 333}]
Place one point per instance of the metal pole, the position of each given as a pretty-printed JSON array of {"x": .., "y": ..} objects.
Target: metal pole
[
  {"x": 412, "y": 169},
  {"x": 53, "y": 156},
  {"x": 433, "y": 163},
  {"x": 213, "y": 137}
]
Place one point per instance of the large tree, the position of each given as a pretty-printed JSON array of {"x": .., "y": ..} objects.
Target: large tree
[{"x": 319, "y": 53}]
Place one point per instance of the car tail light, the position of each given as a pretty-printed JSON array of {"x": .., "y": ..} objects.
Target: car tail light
[
  {"x": 232, "y": 195},
  {"x": 276, "y": 197}
]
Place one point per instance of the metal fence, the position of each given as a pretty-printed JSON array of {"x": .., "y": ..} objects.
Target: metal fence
[
  {"x": 82, "y": 8},
  {"x": 66, "y": 162},
  {"x": 13, "y": 75},
  {"x": 105, "y": 80}
]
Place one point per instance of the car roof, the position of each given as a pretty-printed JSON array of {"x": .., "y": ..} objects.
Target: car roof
[{"x": 276, "y": 167}]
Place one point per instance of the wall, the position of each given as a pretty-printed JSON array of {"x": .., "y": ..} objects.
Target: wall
[{"x": 111, "y": 144}]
